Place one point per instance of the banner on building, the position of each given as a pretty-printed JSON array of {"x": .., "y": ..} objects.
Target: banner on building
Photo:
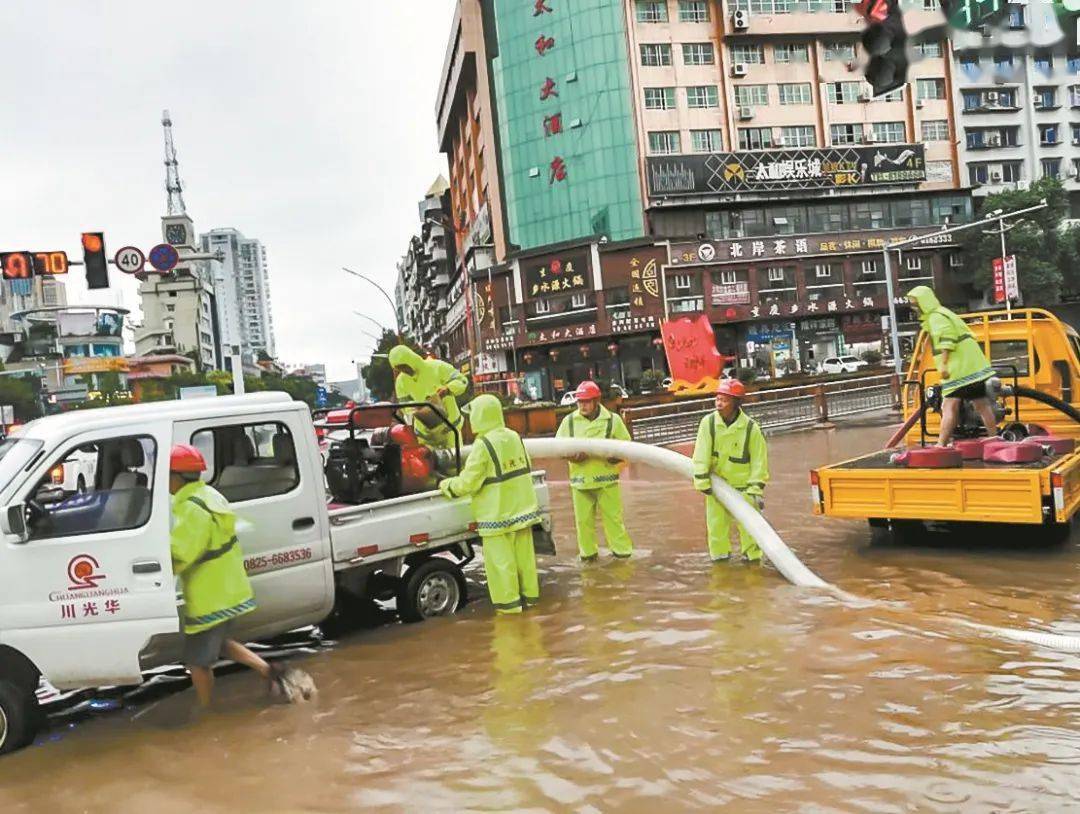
[
  {"x": 556, "y": 275},
  {"x": 692, "y": 357},
  {"x": 737, "y": 293},
  {"x": 796, "y": 169}
]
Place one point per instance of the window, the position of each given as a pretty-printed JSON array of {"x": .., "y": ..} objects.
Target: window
[
  {"x": 693, "y": 11},
  {"x": 791, "y": 52},
  {"x": 1010, "y": 171},
  {"x": 795, "y": 93},
  {"x": 976, "y": 139},
  {"x": 751, "y": 95},
  {"x": 956, "y": 260},
  {"x": 1074, "y": 95},
  {"x": 823, "y": 271},
  {"x": 249, "y": 461},
  {"x": 969, "y": 64},
  {"x": 839, "y": 51},
  {"x": 1003, "y": 64},
  {"x": 683, "y": 282},
  {"x": 698, "y": 53},
  {"x": 755, "y": 138},
  {"x": 1051, "y": 167},
  {"x": 914, "y": 262},
  {"x": 931, "y": 5},
  {"x": 1010, "y": 353},
  {"x": 652, "y": 11},
  {"x": 1048, "y": 134},
  {"x": 888, "y": 132},
  {"x": 978, "y": 174},
  {"x": 868, "y": 215},
  {"x": 935, "y": 130},
  {"x": 541, "y": 307},
  {"x": 802, "y": 135},
  {"x": 100, "y": 487},
  {"x": 1076, "y": 134},
  {"x": 928, "y": 50},
  {"x": 776, "y": 275},
  {"x": 749, "y": 54},
  {"x": 702, "y": 96},
  {"x": 729, "y": 277},
  {"x": 930, "y": 89},
  {"x": 656, "y": 55},
  {"x": 1045, "y": 98},
  {"x": 1016, "y": 16},
  {"x": 1073, "y": 66},
  {"x": 843, "y": 93},
  {"x": 578, "y": 301},
  {"x": 1044, "y": 63},
  {"x": 659, "y": 98},
  {"x": 892, "y": 96},
  {"x": 841, "y": 134},
  {"x": 706, "y": 141},
  {"x": 664, "y": 142},
  {"x": 869, "y": 268}
]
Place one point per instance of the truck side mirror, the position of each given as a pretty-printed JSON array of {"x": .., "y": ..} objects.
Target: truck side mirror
[{"x": 13, "y": 522}]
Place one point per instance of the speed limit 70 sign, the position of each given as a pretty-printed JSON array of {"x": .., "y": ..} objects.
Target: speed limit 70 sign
[{"x": 130, "y": 260}]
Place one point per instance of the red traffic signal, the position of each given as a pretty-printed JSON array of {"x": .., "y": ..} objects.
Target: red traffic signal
[
  {"x": 97, "y": 265},
  {"x": 17, "y": 265}
]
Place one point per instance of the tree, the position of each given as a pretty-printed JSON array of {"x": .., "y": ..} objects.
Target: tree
[
  {"x": 377, "y": 373},
  {"x": 22, "y": 394},
  {"x": 1041, "y": 247}
]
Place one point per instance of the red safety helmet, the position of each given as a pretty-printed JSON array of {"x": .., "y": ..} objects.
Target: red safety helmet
[
  {"x": 587, "y": 390},
  {"x": 731, "y": 387},
  {"x": 185, "y": 458}
]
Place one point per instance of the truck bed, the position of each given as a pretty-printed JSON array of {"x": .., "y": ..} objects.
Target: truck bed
[
  {"x": 871, "y": 487},
  {"x": 385, "y": 529}
]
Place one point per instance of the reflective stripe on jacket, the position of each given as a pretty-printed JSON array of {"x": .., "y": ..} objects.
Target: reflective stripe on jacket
[
  {"x": 595, "y": 473},
  {"x": 736, "y": 452},
  {"x": 206, "y": 556}
]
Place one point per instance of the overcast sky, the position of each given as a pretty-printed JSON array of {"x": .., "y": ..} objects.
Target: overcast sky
[{"x": 309, "y": 125}]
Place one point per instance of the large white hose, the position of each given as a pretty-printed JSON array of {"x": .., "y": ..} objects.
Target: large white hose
[{"x": 775, "y": 549}]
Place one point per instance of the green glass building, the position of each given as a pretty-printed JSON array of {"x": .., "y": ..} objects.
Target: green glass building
[{"x": 561, "y": 88}]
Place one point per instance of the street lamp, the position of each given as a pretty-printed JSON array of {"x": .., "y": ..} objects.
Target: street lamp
[
  {"x": 372, "y": 319},
  {"x": 389, "y": 299}
]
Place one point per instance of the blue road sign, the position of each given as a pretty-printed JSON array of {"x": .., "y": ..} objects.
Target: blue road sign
[
  {"x": 164, "y": 257},
  {"x": 320, "y": 396}
]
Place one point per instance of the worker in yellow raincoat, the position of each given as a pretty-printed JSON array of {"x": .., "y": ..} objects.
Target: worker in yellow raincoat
[
  {"x": 730, "y": 444},
  {"x": 594, "y": 480},
  {"x": 497, "y": 475},
  {"x": 432, "y": 380}
]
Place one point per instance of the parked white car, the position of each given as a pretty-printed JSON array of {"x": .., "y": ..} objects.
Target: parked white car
[
  {"x": 842, "y": 364},
  {"x": 77, "y": 473},
  {"x": 569, "y": 398}
]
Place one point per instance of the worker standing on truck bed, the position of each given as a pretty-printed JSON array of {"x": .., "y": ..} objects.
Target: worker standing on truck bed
[
  {"x": 208, "y": 561},
  {"x": 498, "y": 477},
  {"x": 730, "y": 444},
  {"x": 594, "y": 481},
  {"x": 960, "y": 360},
  {"x": 434, "y": 381}
]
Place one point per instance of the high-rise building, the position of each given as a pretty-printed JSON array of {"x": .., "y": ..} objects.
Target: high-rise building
[
  {"x": 422, "y": 288},
  {"x": 243, "y": 291}
]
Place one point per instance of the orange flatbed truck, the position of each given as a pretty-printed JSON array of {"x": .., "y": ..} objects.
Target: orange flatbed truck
[{"x": 1032, "y": 349}]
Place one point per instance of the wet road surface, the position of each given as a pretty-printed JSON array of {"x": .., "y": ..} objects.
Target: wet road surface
[{"x": 659, "y": 683}]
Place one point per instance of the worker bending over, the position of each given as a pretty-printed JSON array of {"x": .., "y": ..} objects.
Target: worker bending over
[
  {"x": 497, "y": 475},
  {"x": 434, "y": 381},
  {"x": 730, "y": 444},
  {"x": 594, "y": 479},
  {"x": 960, "y": 360}
]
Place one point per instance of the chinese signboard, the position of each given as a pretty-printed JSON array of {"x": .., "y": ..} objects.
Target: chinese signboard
[
  {"x": 631, "y": 324},
  {"x": 782, "y": 248},
  {"x": 569, "y": 273},
  {"x": 639, "y": 270},
  {"x": 504, "y": 342},
  {"x": 76, "y": 365},
  {"x": 772, "y": 170},
  {"x": 560, "y": 334},
  {"x": 1005, "y": 272},
  {"x": 834, "y": 306},
  {"x": 731, "y": 293},
  {"x": 692, "y": 357}
]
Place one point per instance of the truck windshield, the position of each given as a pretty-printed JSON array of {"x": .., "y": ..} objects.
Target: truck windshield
[{"x": 15, "y": 453}]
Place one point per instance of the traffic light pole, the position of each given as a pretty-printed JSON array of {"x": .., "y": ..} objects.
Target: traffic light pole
[{"x": 890, "y": 247}]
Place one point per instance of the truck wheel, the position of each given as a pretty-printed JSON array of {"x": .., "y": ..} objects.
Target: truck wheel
[
  {"x": 19, "y": 719},
  {"x": 433, "y": 588},
  {"x": 879, "y": 530}
]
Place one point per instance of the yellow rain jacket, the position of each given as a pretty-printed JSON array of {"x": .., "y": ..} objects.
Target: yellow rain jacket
[
  {"x": 595, "y": 473},
  {"x": 206, "y": 556},
  {"x": 967, "y": 362},
  {"x": 736, "y": 452},
  {"x": 497, "y": 474},
  {"x": 429, "y": 376}
]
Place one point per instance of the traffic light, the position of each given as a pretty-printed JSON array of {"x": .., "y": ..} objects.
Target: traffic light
[
  {"x": 97, "y": 266},
  {"x": 885, "y": 40}
]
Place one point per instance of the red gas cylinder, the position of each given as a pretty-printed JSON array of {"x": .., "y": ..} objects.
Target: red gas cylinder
[
  {"x": 971, "y": 449},
  {"x": 417, "y": 468},
  {"x": 1012, "y": 452},
  {"x": 929, "y": 458},
  {"x": 1057, "y": 446}
]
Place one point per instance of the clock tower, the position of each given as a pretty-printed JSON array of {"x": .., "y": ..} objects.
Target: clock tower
[{"x": 179, "y": 231}]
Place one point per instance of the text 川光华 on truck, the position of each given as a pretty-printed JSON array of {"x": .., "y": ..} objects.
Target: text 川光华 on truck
[
  {"x": 1033, "y": 353},
  {"x": 87, "y": 591}
]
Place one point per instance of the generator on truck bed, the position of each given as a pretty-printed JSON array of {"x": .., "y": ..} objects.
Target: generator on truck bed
[{"x": 1037, "y": 358}]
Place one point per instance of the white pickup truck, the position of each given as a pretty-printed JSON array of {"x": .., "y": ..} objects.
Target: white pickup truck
[{"x": 87, "y": 593}]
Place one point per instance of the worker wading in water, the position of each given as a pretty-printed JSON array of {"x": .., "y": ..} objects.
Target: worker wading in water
[
  {"x": 497, "y": 475},
  {"x": 594, "y": 480},
  {"x": 960, "y": 360},
  {"x": 206, "y": 557},
  {"x": 434, "y": 381},
  {"x": 730, "y": 444}
]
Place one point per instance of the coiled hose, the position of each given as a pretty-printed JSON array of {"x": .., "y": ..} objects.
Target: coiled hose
[
  {"x": 1045, "y": 398},
  {"x": 775, "y": 548}
]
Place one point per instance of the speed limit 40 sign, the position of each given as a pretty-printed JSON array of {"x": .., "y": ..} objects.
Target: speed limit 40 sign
[{"x": 130, "y": 260}]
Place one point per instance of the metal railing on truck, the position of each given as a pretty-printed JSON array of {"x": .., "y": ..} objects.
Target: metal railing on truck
[{"x": 780, "y": 408}]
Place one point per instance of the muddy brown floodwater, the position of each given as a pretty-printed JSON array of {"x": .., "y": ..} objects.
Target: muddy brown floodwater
[{"x": 662, "y": 683}]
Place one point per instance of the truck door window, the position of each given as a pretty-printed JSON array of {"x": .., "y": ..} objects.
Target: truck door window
[
  {"x": 1010, "y": 353},
  {"x": 249, "y": 461},
  {"x": 100, "y": 487},
  {"x": 1074, "y": 342}
]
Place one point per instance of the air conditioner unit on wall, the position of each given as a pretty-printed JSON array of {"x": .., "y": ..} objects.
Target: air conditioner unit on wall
[
  {"x": 739, "y": 69},
  {"x": 918, "y": 104},
  {"x": 992, "y": 97},
  {"x": 740, "y": 20},
  {"x": 746, "y": 113},
  {"x": 993, "y": 140},
  {"x": 995, "y": 177}
]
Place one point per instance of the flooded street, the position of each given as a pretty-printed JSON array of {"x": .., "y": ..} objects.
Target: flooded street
[{"x": 659, "y": 683}]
